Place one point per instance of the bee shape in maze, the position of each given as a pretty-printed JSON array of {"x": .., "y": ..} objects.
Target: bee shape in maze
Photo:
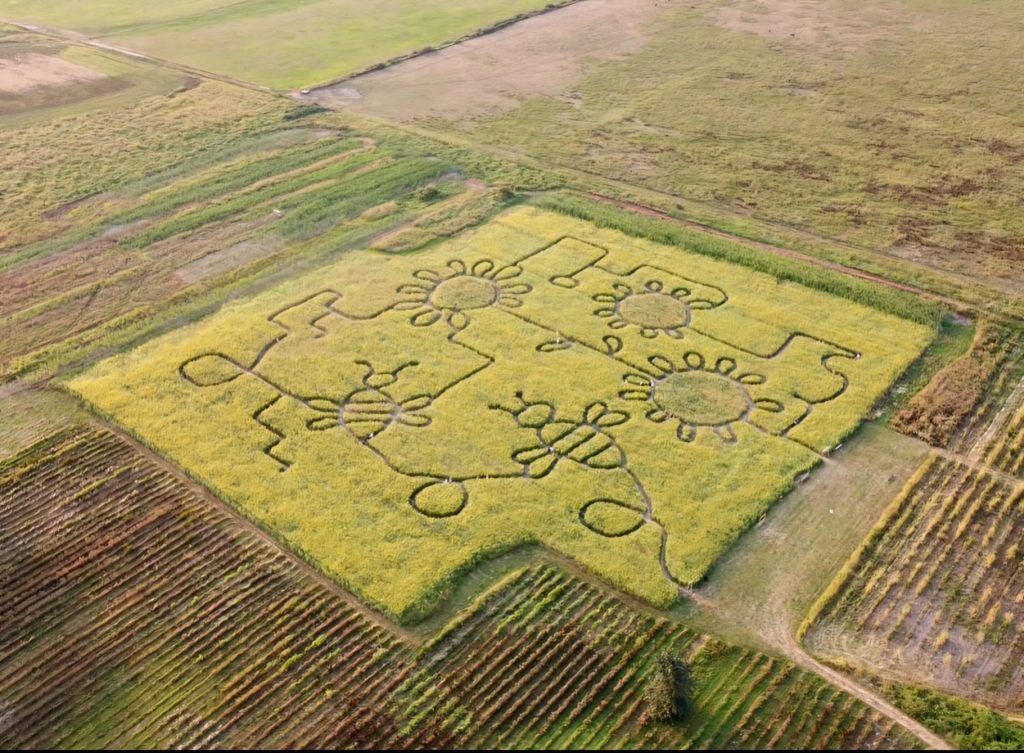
[
  {"x": 372, "y": 408},
  {"x": 584, "y": 441}
]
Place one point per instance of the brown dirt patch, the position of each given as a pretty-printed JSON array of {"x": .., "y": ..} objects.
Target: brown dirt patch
[
  {"x": 32, "y": 70},
  {"x": 541, "y": 56},
  {"x": 815, "y": 24}
]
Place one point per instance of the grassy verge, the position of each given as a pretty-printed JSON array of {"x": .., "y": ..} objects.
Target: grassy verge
[
  {"x": 884, "y": 299},
  {"x": 967, "y": 725},
  {"x": 835, "y": 588},
  {"x": 952, "y": 341}
]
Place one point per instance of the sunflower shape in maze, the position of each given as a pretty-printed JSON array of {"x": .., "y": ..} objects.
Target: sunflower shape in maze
[
  {"x": 694, "y": 394},
  {"x": 651, "y": 307},
  {"x": 447, "y": 295}
]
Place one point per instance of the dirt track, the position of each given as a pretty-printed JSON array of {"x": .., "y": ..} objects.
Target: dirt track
[{"x": 788, "y": 647}]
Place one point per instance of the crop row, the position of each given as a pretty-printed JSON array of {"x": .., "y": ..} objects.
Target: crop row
[
  {"x": 139, "y": 613},
  {"x": 136, "y": 613},
  {"x": 994, "y": 391},
  {"x": 235, "y": 219},
  {"x": 939, "y": 587},
  {"x": 1006, "y": 450},
  {"x": 573, "y": 675}
]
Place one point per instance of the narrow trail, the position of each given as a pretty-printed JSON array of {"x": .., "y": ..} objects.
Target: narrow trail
[
  {"x": 779, "y": 640},
  {"x": 786, "y": 644}
]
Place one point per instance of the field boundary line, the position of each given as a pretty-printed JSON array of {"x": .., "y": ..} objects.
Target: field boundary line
[
  {"x": 414, "y": 639},
  {"x": 497, "y": 26},
  {"x": 782, "y": 251},
  {"x": 576, "y": 175},
  {"x": 404, "y": 634},
  {"x": 75, "y": 37}
]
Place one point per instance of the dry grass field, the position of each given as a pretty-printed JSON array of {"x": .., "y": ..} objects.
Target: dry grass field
[
  {"x": 886, "y": 132},
  {"x": 284, "y": 44}
]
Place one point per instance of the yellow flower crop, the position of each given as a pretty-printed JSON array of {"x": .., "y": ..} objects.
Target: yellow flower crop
[{"x": 398, "y": 418}]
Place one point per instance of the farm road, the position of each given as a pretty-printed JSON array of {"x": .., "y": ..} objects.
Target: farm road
[
  {"x": 780, "y": 640},
  {"x": 576, "y": 178},
  {"x": 787, "y": 645}
]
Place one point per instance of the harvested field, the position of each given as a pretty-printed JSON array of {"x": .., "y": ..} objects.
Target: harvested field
[
  {"x": 68, "y": 157},
  {"x": 28, "y": 416},
  {"x": 549, "y": 662},
  {"x": 468, "y": 388},
  {"x": 791, "y": 121},
  {"x": 41, "y": 79},
  {"x": 1006, "y": 450},
  {"x": 167, "y": 240},
  {"x": 136, "y": 613},
  {"x": 188, "y": 629},
  {"x": 935, "y": 593},
  {"x": 541, "y": 56},
  {"x": 283, "y": 44},
  {"x": 29, "y": 71},
  {"x": 775, "y": 572}
]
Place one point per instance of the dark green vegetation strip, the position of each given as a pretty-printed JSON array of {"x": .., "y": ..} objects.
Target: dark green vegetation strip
[
  {"x": 241, "y": 177},
  {"x": 952, "y": 342},
  {"x": 877, "y": 296},
  {"x": 967, "y": 725},
  {"x": 193, "y": 220},
  {"x": 166, "y": 247}
]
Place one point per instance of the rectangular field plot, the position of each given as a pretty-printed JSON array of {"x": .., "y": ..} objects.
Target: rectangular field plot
[
  {"x": 937, "y": 593},
  {"x": 278, "y": 43},
  {"x": 398, "y": 418}
]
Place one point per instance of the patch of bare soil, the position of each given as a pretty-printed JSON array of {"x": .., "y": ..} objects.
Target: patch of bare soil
[
  {"x": 31, "y": 70},
  {"x": 225, "y": 260},
  {"x": 541, "y": 56},
  {"x": 816, "y": 24}
]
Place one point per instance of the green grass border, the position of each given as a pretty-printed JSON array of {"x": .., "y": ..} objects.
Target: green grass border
[{"x": 888, "y": 300}]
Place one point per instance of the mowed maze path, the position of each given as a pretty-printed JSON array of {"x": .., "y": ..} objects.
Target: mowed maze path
[{"x": 139, "y": 612}]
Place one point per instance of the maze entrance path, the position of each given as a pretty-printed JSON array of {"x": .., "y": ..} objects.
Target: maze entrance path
[{"x": 630, "y": 405}]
